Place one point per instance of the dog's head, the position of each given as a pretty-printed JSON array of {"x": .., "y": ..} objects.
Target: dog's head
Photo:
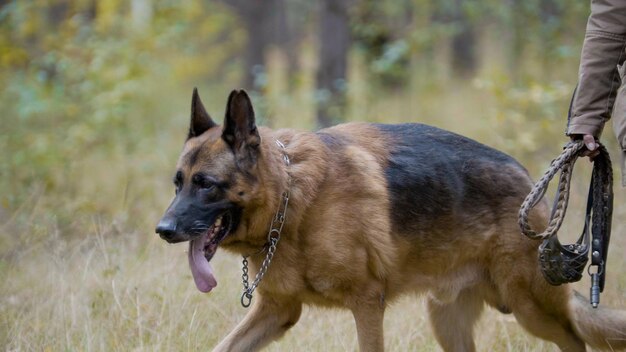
[{"x": 215, "y": 179}]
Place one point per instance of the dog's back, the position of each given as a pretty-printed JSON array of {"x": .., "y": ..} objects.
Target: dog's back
[{"x": 435, "y": 175}]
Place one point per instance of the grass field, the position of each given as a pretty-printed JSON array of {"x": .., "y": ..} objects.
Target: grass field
[
  {"x": 82, "y": 270},
  {"x": 122, "y": 291}
]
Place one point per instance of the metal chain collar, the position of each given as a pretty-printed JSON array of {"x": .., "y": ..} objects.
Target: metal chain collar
[{"x": 273, "y": 236}]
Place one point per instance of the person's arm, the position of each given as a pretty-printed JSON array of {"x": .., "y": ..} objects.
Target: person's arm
[{"x": 598, "y": 79}]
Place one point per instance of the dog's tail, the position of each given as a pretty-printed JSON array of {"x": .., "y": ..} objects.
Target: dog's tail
[{"x": 601, "y": 328}]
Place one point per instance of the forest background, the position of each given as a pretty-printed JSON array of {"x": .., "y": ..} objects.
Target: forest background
[{"x": 95, "y": 105}]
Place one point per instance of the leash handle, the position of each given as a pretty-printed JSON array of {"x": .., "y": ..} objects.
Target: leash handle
[
  {"x": 565, "y": 163},
  {"x": 602, "y": 212}
]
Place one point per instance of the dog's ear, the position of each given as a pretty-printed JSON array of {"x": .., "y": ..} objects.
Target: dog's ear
[
  {"x": 240, "y": 131},
  {"x": 200, "y": 119}
]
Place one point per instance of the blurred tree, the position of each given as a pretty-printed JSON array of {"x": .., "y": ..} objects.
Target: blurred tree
[
  {"x": 518, "y": 42},
  {"x": 380, "y": 30},
  {"x": 265, "y": 24},
  {"x": 464, "y": 43},
  {"x": 552, "y": 26},
  {"x": 58, "y": 12},
  {"x": 334, "y": 43},
  {"x": 298, "y": 21},
  {"x": 463, "y": 38}
]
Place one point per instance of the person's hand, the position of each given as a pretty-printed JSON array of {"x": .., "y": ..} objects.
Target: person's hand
[{"x": 592, "y": 147}]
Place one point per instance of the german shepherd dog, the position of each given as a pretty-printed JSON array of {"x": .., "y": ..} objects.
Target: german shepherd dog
[{"x": 375, "y": 211}]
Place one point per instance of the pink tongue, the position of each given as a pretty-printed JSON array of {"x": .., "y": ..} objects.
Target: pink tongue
[{"x": 200, "y": 267}]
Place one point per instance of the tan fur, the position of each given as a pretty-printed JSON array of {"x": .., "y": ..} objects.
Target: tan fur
[{"x": 338, "y": 250}]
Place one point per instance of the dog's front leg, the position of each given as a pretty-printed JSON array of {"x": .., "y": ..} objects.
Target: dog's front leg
[
  {"x": 369, "y": 325},
  {"x": 268, "y": 320}
]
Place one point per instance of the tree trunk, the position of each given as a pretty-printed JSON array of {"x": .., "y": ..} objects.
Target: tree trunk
[
  {"x": 58, "y": 12},
  {"x": 257, "y": 20},
  {"x": 288, "y": 32},
  {"x": 464, "y": 58},
  {"x": 334, "y": 42},
  {"x": 515, "y": 39},
  {"x": 551, "y": 15},
  {"x": 260, "y": 22}
]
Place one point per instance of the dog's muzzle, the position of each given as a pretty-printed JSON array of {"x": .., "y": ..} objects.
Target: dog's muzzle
[{"x": 561, "y": 264}]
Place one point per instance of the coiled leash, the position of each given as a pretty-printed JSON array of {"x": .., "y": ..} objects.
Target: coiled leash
[{"x": 565, "y": 263}]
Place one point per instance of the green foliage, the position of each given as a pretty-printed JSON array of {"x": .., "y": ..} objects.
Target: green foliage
[
  {"x": 90, "y": 86},
  {"x": 86, "y": 91},
  {"x": 528, "y": 117}
]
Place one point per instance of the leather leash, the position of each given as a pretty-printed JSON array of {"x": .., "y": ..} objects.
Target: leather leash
[{"x": 566, "y": 263}]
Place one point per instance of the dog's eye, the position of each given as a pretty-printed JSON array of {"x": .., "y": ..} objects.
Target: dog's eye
[
  {"x": 178, "y": 181},
  {"x": 202, "y": 181}
]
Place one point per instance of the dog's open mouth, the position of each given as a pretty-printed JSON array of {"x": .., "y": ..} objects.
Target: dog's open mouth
[{"x": 202, "y": 249}]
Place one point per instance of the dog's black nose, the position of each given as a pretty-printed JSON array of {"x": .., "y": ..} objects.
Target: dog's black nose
[{"x": 166, "y": 229}]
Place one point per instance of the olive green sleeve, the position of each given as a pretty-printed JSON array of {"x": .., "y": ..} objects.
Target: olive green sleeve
[{"x": 598, "y": 78}]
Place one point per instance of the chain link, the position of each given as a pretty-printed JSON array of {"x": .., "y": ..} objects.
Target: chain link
[{"x": 273, "y": 236}]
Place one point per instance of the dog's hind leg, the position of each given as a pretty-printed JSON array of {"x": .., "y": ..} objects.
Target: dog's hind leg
[
  {"x": 453, "y": 321},
  {"x": 540, "y": 308},
  {"x": 547, "y": 320},
  {"x": 268, "y": 320}
]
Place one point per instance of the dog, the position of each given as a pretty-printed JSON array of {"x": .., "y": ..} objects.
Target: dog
[{"x": 368, "y": 212}]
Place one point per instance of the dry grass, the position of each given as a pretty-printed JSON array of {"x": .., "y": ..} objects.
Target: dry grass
[
  {"x": 106, "y": 283},
  {"x": 113, "y": 291}
]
